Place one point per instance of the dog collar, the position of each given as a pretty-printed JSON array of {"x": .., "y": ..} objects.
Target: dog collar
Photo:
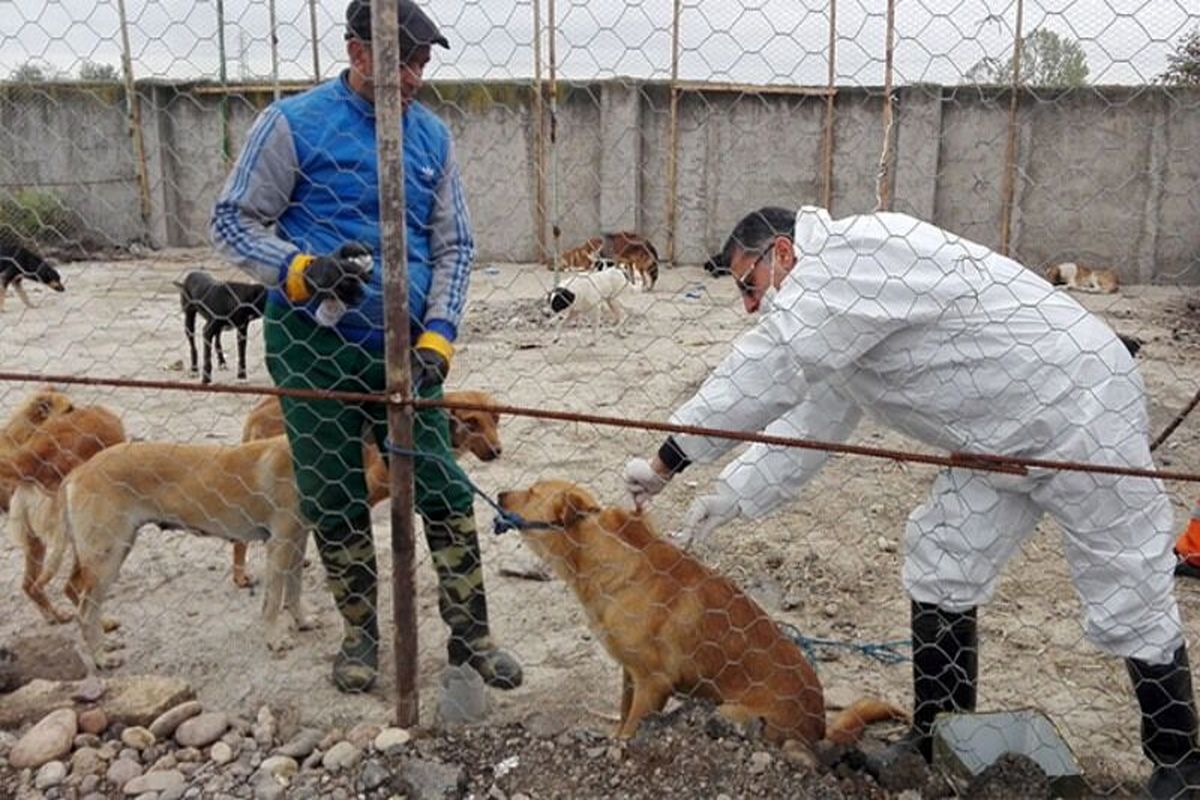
[{"x": 510, "y": 520}]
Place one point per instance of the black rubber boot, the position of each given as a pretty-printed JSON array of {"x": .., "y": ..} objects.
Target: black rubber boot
[
  {"x": 454, "y": 546},
  {"x": 1164, "y": 693},
  {"x": 348, "y": 555},
  {"x": 945, "y": 670}
]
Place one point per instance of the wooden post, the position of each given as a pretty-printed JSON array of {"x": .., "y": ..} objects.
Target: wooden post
[
  {"x": 316, "y": 40},
  {"x": 1009, "y": 183},
  {"x": 555, "y": 230},
  {"x": 385, "y": 27},
  {"x": 133, "y": 108},
  {"x": 539, "y": 139},
  {"x": 827, "y": 136},
  {"x": 274, "y": 49},
  {"x": 226, "y": 137},
  {"x": 883, "y": 189},
  {"x": 673, "y": 137}
]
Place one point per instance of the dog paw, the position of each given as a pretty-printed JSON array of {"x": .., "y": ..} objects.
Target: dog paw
[{"x": 244, "y": 580}]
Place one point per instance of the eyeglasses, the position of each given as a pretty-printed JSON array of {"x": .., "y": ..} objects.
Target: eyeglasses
[{"x": 746, "y": 284}]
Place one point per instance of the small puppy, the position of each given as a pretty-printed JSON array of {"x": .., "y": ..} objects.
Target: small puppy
[
  {"x": 471, "y": 430},
  {"x": 590, "y": 293},
  {"x": 29, "y": 416},
  {"x": 33, "y": 473},
  {"x": 676, "y": 626},
  {"x": 17, "y": 264},
  {"x": 239, "y": 493},
  {"x": 1083, "y": 279},
  {"x": 222, "y": 304}
]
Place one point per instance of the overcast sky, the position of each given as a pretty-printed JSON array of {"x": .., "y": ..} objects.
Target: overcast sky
[{"x": 754, "y": 41}]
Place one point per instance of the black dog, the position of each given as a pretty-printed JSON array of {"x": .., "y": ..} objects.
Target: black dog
[
  {"x": 17, "y": 264},
  {"x": 717, "y": 265},
  {"x": 223, "y": 304}
]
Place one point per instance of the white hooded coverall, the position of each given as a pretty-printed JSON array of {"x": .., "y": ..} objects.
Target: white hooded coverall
[{"x": 965, "y": 350}]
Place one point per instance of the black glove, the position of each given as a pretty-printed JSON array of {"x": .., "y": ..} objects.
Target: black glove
[
  {"x": 340, "y": 275},
  {"x": 429, "y": 367}
]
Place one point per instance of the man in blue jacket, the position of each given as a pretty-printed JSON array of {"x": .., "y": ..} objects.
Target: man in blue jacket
[{"x": 301, "y": 202}]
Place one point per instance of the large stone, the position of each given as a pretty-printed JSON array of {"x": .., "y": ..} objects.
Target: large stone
[
  {"x": 130, "y": 699},
  {"x": 49, "y": 657},
  {"x": 302, "y": 743},
  {"x": 390, "y": 739},
  {"x": 49, "y": 775},
  {"x": 165, "y": 781},
  {"x": 166, "y": 723},
  {"x": 122, "y": 771},
  {"x": 202, "y": 730},
  {"x": 48, "y": 740},
  {"x": 138, "y": 738},
  {"x": 432, "y": 780},
  {"x": 86, "y": 761},
  {"x": 342, "y": 755}
]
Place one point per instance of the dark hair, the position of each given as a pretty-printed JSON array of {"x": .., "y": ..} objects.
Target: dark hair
[
  {"x": 416, "y": 28},
  {"x": 756, "y": 230}
]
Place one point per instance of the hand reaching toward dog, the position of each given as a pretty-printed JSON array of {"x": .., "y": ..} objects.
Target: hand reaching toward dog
[
  {"x": 430, "y": 361},
  {"x": 705, "y": 515},
  {"x": 643, "y": 481}
]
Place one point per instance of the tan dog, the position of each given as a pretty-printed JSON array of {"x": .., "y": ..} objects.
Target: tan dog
[
  {"x": 629, "y": 251},
  {"x": 676, "y": 626},
  {"x": 239, "y": 493},
  {"x": 29, "y": 416},
  {"x": 1083, "y": 279},
  {"x": 472, "y": 430},
  {"x": 35, "y": 471}
]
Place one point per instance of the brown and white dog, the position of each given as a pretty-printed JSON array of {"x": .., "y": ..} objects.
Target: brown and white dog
[
  {"x": 676, "y": 626},
  {"x": 34, "y": 472},
  {"x": 1083, "y": 279},
  {"x": 474, "y": 430},
  {"x": 628, "y": 251},
  {"x": 29, "y": 416}
]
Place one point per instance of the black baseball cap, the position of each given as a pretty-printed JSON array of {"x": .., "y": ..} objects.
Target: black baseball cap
[{"x": 416, "y": 28}]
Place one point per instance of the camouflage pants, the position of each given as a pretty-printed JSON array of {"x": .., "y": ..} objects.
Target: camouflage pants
[{"x": 327, "y": 436}]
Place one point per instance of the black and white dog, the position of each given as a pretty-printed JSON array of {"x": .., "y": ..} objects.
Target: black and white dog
[
  {"x": 18, "y": 264},
  {"x": 223, "y": 304}
]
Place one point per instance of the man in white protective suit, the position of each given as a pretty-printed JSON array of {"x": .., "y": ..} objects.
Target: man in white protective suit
[{"x": 965, "y": 350}]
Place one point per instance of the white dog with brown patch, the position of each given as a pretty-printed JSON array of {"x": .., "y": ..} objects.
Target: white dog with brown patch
[
  {"x": 590, "y": 293},
  {"x": 1083, "y": 279}
]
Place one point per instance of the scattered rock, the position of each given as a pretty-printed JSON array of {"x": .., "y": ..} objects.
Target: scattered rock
[
  {"x": 50, "y": 774},
  {"x": 122, "y": 771},
  {"x": 50, "y": 657},
  {"x": 302, "y": 743},
  {"x": 390, "y": 739},
  {"x": 432, "y": 780},
  {"x": 93, "y": 721},
  {"x": 267, "y": 787},
  {"x": 265, "y": 727},
  {"x": 221, "y": 753},
  {"x": 48, "y": 740},
  {"x": 202, "y": 730},
  {"x": 154, "y": 782},
  {"x": 464, "y": 699},
  {"x": 138, "y": 738},
  {"x": 362, "y": 734},
  {"x": 165, "y": 724},
  {"x": 342, "y": 755},
  {"x": 760, "y": 762},
  {"x": 373, "y": 776},
  {"x": 1010, "y": 775},
  {"x": 282, "y": 768},
  {"x": 129, "y": 699}
]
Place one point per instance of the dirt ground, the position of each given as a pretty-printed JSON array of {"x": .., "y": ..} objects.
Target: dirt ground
[{"x": 829, "y": 564}]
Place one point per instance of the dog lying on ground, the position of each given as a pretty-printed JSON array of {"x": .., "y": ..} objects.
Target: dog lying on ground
[
  {"x": 676, "y": 626},
  {"x": 34, "y": 473},
  {"x": 628, "y": 251},
  {"x": 1083, "y": 279},
  {"x": 222, "y": 304},
  {"x": 591, "y": 293},
  {"x": 474, "y": 431},
  {"x": 18, "y": 264},
  {"x": 24, "y": 422}
]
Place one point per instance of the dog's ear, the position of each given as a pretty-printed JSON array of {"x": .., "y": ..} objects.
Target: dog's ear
[{"x": 572, "y": 506}]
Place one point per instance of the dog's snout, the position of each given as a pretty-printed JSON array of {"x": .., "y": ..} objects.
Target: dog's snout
[{"x": 503, "y": 499}]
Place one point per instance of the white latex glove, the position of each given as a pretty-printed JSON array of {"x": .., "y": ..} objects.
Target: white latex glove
[
  {"x": 643, "y": 481},
  {"x": 705, "y": 515}
]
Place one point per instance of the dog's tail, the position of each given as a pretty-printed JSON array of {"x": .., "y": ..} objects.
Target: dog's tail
[{"x": 847, "y": 726}]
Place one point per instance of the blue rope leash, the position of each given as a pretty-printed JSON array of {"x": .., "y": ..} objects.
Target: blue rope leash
[
  {"x": 884, "y": 652},
  {"x": 504, "y": 520}
]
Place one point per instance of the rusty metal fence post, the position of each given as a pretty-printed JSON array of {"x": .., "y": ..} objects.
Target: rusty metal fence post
[{"x": 1008, "y": 187}]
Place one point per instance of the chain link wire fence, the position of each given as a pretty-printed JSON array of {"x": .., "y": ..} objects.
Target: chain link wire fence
[{"x": 606, "y": 153}]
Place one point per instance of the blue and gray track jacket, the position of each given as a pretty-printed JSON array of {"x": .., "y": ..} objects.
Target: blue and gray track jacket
[{"x": 307, "y": 181}]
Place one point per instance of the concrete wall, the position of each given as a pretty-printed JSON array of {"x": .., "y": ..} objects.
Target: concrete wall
[{"x": 1109, "y": 175}]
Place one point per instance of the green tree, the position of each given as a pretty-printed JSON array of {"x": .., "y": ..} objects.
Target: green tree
[
  {"x": 32, "y": 72},
  {"x": 1047, "y": 59},
  {"x": 91, "y": 71},
  {"x": 1183, "y": 66}
]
